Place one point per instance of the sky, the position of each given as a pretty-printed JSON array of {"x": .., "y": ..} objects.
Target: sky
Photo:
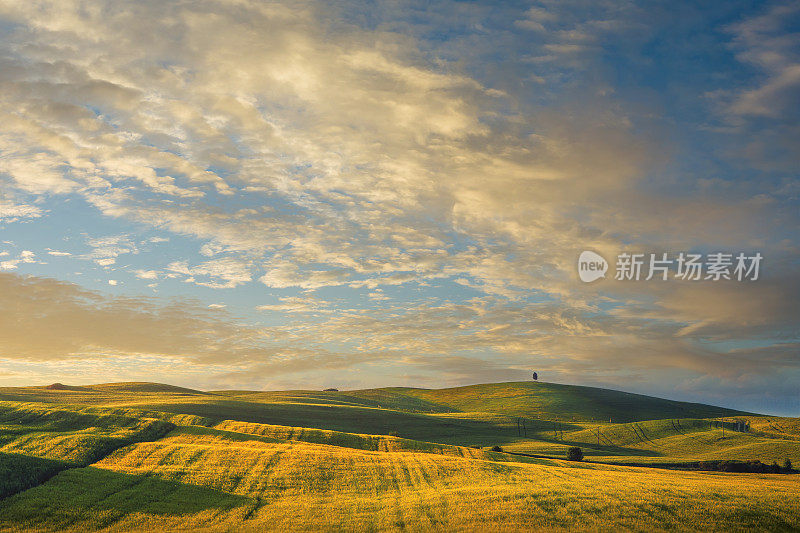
[{"x": 267, "y": 195}]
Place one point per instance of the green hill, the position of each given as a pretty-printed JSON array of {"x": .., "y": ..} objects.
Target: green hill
[
  {"x": 143, "y": 386},
  {"x": 477, "y": 415},
  {"x": 559, "y": 402},
  {"x": 135, "y": 456},
  {"x": 545, "y": 401},
  {"x": 118, "y": 469}
]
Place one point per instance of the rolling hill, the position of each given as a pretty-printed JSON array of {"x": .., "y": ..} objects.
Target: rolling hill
[
  {"x": 553, "y": 401},
  {"x": 547, "y": 401},
  {"x": 134, "y": 456}
]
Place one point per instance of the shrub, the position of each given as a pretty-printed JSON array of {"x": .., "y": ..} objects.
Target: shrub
[
  {"x": 496, "y": 448},
  {"x": 753, "y": 466},
  {"x": 574, "y": 454}
]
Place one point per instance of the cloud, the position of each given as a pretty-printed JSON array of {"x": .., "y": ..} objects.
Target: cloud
[
  {"x": 223, "y": 273},
  {"x": 763, "y": 108},
  {"x": 105, "y": 250},
  {"x": 147, "y": 274},
  {"x": 11, "y": 212},
  {"x": 24, "y": 257},
  {"x": 54, "y": 320},
  {"x": 765, "y": 42},
  {"x": 295, "y": 304},
  {"x": 392, "y": 163},
  {"x": 378, "y": 295}
]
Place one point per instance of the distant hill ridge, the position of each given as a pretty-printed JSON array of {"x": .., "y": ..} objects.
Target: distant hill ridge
[
  {"x": 566, "y": 401},
  {"x": 143, "y": 386},
  {"x": 118, "y": 387},
  {"x": 544, "y": 401}
]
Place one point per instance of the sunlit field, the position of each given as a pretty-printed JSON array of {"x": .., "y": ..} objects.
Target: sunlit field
[{"x": 147, "y": 457}]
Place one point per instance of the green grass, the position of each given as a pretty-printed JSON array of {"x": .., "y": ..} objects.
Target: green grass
[
  {"x": 77, "y": 437},
  {"x": 548, "y": 401},
  {"x": 19, "y": 472},
  {"x": 138, "y": 456},
  {"x": 37, "y": 441},
  {"x": 663, "y": 441},
  {"x": 208, "y": 479},
  {"x": 552, "y": 401}
]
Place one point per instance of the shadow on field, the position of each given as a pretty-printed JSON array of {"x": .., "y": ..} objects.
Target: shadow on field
[
  {"x": 19, "y": 472},
  {"x": 594, "y": 449},
  {"x": 97, "y": 498},
  {"x": 350, "y": 419}
]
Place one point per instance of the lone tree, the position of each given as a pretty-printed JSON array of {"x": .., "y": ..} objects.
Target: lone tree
[
  {"x": 787, "y": 465},
  {"x": 574, "y": 454},
  {"x": 535, "y": 376}
]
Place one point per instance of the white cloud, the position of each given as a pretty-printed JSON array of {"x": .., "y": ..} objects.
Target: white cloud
[
  {"x": 225, "y": 273},
  {"x": 295, "y": 304},
  {"x": 10, "y": 212},
  {"x": 106, "y": 250},
  {"x": 147, "y": 274},
  {"x": 24, "y": 257}
]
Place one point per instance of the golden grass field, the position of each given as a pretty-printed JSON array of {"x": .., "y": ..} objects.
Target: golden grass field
[{"x": 107, "y": 459}]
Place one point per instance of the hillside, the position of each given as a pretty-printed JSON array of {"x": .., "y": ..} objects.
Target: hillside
[
  {"x": 143, "y": 386},
  {"x": 531, "y": 418},
  {"x": 553, "y": 401},
  {"x": 478, "y": 415},
  {"x": 120, "y": 469},
  {"x": 545, "y": 401}
]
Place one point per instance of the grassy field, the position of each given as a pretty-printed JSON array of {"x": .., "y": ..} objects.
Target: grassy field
[
  {"x": 137, "y": 456},
  {"x": 37, "y": 441}
]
